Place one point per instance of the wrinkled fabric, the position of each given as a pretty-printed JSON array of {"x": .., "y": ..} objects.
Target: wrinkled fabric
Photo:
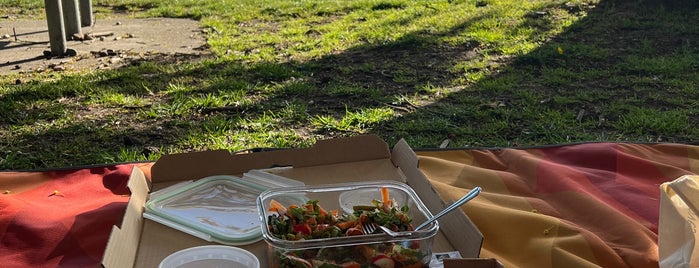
[
  {"x": 577, "y": 205},
  {"x": 581, "y": 205},
  {"x": 60, "y": 218}
]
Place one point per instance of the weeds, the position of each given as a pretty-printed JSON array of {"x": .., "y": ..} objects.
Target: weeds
[{"x": 287, "y": 73}]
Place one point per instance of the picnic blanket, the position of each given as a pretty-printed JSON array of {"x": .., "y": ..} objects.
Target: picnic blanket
[{"x": 575, "y": 205}]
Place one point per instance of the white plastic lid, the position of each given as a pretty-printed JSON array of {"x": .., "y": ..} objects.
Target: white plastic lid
[
  {"x": 218, "y": 208},
  {"x": 210, "y": 257}
]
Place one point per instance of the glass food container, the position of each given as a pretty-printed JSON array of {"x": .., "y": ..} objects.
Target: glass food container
[{"x": 291, "y": 243}]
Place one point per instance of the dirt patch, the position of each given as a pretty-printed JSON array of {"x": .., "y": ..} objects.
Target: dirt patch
[{"x": 108, "y": 44}]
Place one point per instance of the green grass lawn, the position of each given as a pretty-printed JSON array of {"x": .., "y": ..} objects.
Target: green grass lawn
[{"x": 483, "y": 73}]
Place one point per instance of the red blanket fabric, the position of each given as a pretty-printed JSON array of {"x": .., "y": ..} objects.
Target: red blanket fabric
[
  {"x": 592, "y": 204},
  {"x": 60, "y": 218}
]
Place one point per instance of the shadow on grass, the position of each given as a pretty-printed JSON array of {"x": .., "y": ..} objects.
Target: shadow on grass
[{"x": 582, "y": 85}]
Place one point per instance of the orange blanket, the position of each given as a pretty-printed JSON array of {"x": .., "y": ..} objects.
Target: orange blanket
[{"x": 580, "y": 205}]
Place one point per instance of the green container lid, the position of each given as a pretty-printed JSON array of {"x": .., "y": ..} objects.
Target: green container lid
[{"x": 219, "y": 209}]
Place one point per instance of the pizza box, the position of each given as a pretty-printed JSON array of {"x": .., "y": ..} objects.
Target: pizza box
[{"x": 140, "y": 242}]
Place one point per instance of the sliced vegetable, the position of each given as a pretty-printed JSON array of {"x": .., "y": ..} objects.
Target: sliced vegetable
[
  {"x": 386, "y": 199},
  {"x": 302, "y": 228},
  {"x": 354, "y": 231},
  {"x": 277, "y": 207},
  {"x": 346, "y": 225},
  {"x": 351, "y": 264},
  {"x": 383, "y": 261}
]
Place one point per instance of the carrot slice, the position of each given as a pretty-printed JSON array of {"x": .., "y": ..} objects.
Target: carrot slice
[
  {"x": 322, "y": 215},
  {"x": 346, "y": 225},
  {"x": 275, "y": 206},
  {"x": 386, "y": 199},
  {"x": 384, "y": 195},
  {"x": 309, "y": 208}
]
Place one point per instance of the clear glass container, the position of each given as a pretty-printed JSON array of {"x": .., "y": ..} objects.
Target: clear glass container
[{"x": 379, "y": 249}]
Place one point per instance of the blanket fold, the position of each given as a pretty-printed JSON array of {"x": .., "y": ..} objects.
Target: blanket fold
[{"x": 582, "y": 205}]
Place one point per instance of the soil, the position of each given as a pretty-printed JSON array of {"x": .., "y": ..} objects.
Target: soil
[{"x": 107, "y": 44}]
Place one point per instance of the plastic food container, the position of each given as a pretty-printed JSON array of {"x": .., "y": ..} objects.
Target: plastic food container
[
  {"x": 377, "y": 249},
  {"x": 212, "y": 256}
]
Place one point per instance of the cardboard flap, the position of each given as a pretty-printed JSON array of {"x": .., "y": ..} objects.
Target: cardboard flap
[
  {"x": 452, "y": 222},
  {"x": 191, "y": 166},
  {"x": 123, "y": 242}
]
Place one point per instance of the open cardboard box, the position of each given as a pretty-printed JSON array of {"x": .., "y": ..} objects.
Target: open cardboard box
[{"x": 139, "y": 242}]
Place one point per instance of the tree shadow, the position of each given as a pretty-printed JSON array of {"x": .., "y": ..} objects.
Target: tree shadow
[{"x": 578, "y": 79}]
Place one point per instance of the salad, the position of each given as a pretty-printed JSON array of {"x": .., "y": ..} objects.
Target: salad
[{"x": 312, "y": 221}]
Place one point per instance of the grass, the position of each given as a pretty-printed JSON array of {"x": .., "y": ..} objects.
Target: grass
[{"x": 493, "y": 73}]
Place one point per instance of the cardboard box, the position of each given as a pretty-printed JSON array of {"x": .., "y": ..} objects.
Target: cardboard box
[
  {"x": 139, "y": 242},
  {"x": 472, "y": 263}
]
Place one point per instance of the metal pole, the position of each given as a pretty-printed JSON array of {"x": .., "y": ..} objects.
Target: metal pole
[
  {"x": 71, "y": 18},
  {"x": 86, "y": 12},
  {"x": 54, "y": 18}
]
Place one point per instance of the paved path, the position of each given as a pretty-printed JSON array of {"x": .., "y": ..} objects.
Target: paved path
[{"x": 23, "y": 42}]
